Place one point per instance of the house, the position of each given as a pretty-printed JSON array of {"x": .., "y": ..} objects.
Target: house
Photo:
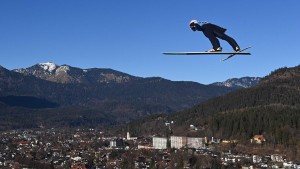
[
  {"x": 258, "y": 139},
  {"x": 277, "y": 158},
  {"x": 247, "y": 167},
  {"x": 256, "y": 159},
  {"x": 145, "y": 146},
  {"x": 193, "y": 128},
  {"x": 230, "y": 141},
  {"x": 287, "y": 164},
  {"x": 195, "y": 142}
]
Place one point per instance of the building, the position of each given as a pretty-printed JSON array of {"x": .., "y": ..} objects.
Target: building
[
  {"x": 195, "y": 142},
  {"x": 144, "y": 146},
  {"x": 159, "y": 143},
  {"x": 178, "y": 142},
  {"x": 117, "y": 143},
  {"x": 256, "y": 159},
  {"x": 191, "y": 142},
  {"x": 258, "y": 139},
  {"x": 128, "y": 137},
  {"x": 215, "y": 140},
  {"x": 276, "y": 158}
]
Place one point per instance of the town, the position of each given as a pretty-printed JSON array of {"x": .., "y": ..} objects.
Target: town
[{"x": 92, "y": 148}]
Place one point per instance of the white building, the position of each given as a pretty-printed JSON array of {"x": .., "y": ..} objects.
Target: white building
[
  {"x": 159, "y": 143},
  {"x": 276, "y": 158},
  {"x": 178, "y": 142},
  {"x": 112, "y": 143},
  {"x": 195, "y": 142},
  {"x": 256, "y": 159},
  {"x": 116, "y": 143},
  {"x": 128, "y": 137},
  {"x": 145, "y": 146},
  {"x": 215, "y": 140}
]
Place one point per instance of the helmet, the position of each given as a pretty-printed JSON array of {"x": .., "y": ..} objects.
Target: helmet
[
  {"x": 193, "y": 21},
  {"x": 192, "y": 24}
]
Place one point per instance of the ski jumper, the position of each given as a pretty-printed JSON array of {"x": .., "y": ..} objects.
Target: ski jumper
[{"x": 213, "y": 32}]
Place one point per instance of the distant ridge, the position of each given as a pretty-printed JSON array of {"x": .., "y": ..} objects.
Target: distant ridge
[
  {"x": 94, "y": 96},
  {"x": 244, "y": 82}
]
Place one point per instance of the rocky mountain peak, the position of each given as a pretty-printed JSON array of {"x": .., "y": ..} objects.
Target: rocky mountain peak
[
  {"x": 244, "y": 82},
  {"x": 66, "y": 74},
  {"x": 48, "y": 66}
]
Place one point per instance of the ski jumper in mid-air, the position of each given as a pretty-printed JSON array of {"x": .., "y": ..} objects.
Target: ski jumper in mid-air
[{"x": 213, "y": 32}]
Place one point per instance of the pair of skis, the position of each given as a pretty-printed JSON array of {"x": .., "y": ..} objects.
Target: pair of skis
[{"x": 231, "y": 54}]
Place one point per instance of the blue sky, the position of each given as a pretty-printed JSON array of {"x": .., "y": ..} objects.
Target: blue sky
[{"x": 130, "y": 35}]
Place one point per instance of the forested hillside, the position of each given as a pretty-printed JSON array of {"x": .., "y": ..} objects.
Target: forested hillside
[{"x": 271, "y": 108}]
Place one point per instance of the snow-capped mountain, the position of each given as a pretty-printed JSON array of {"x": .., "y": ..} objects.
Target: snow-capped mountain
[
  {"x": 244, "y": 82},
  {"x": 67, "y": 74}
]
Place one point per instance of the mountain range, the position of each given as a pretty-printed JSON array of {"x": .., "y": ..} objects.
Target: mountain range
[{"x": 49, "y": 94}]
